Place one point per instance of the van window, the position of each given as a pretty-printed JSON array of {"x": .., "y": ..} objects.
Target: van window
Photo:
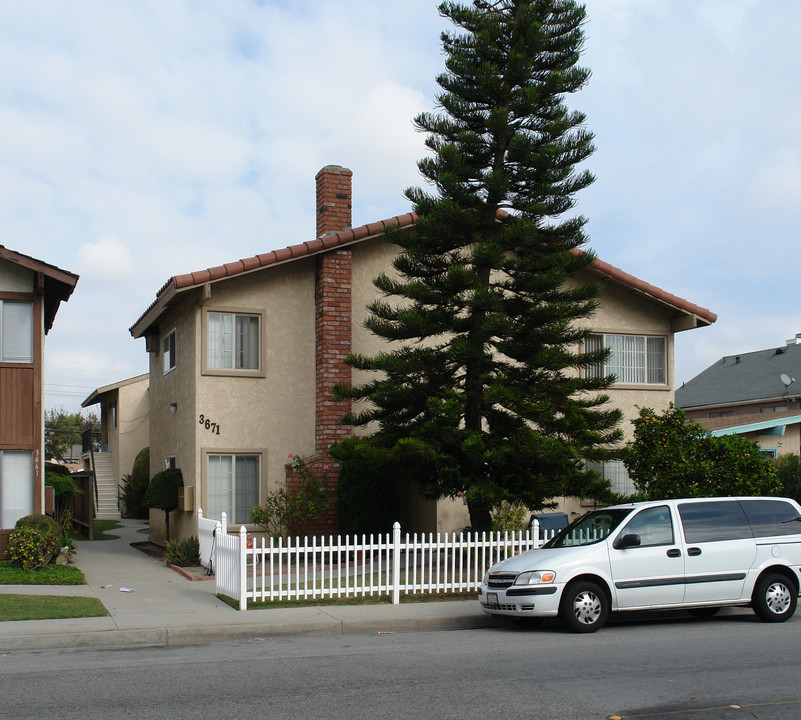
[
  {"x": 772, "y": 517},
  {"x": 712, "y": 521},
  {"x": 653, "y": 525},
  {"x": 590, "y": 528}
]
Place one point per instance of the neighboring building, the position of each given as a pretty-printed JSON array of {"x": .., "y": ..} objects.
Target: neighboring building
[
  {"x": 30, "y": 294},
  {"x": 756, "y": 395},
  {"x": 124, "y": 431},
  {"x": 243, "y": 358}
]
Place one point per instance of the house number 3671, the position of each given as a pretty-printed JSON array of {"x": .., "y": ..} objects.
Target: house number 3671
[{"x": 209, "y": 425}]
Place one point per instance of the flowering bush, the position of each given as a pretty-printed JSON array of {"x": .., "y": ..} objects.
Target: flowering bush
[
  {"x": 34, "y": 542},
  {"x": 509, "y": 517},
  {"x": 294, "y": 510}
]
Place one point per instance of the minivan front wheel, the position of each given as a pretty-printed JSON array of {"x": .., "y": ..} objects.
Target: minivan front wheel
[
  {"x": 584, "y": 607},
  {"x": 775, "y": 598}
]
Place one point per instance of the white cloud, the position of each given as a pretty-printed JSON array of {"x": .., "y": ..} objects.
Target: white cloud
[{"x": 104, "y": 262}]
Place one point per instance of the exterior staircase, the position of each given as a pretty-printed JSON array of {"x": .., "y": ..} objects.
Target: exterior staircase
[{"x": 107, "y": 505}]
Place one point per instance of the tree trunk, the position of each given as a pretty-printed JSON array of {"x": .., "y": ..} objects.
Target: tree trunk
[{"x": 480, "y": 517}]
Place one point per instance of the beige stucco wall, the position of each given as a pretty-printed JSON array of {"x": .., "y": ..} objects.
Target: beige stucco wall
[
  {"x": 14, "y": 278},
  {"x": 272, "y": 414},
  {"x": 172, "y": 433},
  {"x": 133, "y": 423},
  {"x": 279, "y": 406}
]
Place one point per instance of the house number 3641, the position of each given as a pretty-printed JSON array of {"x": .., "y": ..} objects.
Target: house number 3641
[{"x": 209, "y": 425}]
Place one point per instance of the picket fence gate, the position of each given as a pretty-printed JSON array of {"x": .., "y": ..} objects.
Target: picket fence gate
[{"x": 268, "y": 570}]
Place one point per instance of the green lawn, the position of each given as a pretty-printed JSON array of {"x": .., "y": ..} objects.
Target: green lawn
[
  {"x": 101, "y": 529},
  {"x": 48, "y": 607},
  {"x": 48, "y": 575},
  {"x": 45, "y": 607}
]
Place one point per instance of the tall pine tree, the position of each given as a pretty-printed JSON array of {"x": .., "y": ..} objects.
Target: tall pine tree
[{"x": 484, "y": 390}]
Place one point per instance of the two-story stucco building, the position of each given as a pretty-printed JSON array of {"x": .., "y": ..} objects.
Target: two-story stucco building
[{"x": 243, "y": 358}]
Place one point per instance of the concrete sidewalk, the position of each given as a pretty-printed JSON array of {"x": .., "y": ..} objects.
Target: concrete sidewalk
[{"x": 165, "y": 608}]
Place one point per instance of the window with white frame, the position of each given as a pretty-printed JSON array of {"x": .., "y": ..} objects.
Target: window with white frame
[
  {"x": 234, "y": 341},
  {"x": 615, "y": 472},
  {"x": 233, "y": 486},
  {"x": 16, "y": 486},
  {"x": 636, "y": 359},
  {"x": 168, "y": 351},
  {"x": 16, "y": 331}
]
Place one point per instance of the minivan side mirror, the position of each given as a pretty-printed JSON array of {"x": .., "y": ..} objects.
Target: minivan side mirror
[{"x": 627, "y": 541}]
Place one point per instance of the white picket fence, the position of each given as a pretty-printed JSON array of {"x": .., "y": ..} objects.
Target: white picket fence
[{"x": 319, "y": 567}]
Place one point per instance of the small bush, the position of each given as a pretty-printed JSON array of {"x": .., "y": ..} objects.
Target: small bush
[
  {"x": 184, "y": 552},
  {"x": 162, "y": 493},
  {"x": 509, "y": 517},
  {"x": 294, "y": 510},
  {"x": 34, "y": 542},
  {"x": 64, "y": 489},
  {"x": 135, "y": 485}
]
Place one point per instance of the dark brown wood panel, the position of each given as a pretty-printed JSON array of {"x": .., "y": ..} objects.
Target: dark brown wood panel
[{"x": 17, "y": 405}]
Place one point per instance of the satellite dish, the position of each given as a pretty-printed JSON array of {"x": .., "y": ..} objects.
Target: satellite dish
[{"x": 786, "y": 379}]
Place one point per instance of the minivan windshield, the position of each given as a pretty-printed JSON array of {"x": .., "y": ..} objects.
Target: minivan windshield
[{"x": 590, "y": 528}]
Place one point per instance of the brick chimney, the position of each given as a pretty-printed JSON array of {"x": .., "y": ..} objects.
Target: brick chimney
[
  {"x": 334, "y": 199},
  {"x": 333, "y": 330}
]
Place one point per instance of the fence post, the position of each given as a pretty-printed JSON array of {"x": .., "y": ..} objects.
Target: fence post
[
  {"x": 243, "y": 567},
  {"x": 396, "y": 536},
  {"x": 535, "y": 533},
  {"x": 224, "y": 522}
]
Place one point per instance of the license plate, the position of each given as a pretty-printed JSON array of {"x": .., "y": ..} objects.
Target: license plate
[{"x": 492, "y": 599}]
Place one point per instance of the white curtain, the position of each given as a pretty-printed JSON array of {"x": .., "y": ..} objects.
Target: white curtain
[
  {"x": 16, "y": 486},
  {"x": 16, "y": 325}
]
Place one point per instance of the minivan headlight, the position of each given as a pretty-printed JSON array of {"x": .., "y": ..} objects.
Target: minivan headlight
[{"x": 535, "y": 577}]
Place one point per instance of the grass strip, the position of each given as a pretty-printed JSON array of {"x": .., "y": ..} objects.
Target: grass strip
[
  {"x": 101, "y": 528},
  {"x": 353, "y": 600},
  {"x": 47, "y": 575},
  {"x": 49, "y": 607}
]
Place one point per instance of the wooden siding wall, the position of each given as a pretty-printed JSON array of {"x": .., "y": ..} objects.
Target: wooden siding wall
[{"x": 17, "y": 405}]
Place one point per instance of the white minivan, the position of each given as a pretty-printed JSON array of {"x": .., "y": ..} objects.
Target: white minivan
[{"x": 697, "y": 554}]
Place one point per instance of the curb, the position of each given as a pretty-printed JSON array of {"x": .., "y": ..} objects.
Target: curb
[{"x": 183, "y": 636}]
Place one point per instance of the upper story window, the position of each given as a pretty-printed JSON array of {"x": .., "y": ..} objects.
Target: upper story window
[
  {"x": 168, "y": 351},
  {"x": 16, "y": 331},
  {"x": 234, "y": 341},
  {"x": 637, "y": 359}
]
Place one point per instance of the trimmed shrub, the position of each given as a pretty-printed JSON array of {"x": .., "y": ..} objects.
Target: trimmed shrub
[
  {"x": 64, "y": 489},
  {"x": 162, "y": 493},
  {"x": 34, "y": 541},
  {"x": 135, "y": 485},
  {"x": 368, "y": 500},
  {"x": 184, "y": 552}
]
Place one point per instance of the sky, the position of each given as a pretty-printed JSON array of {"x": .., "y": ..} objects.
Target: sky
[{"x": 147, "y": 138}]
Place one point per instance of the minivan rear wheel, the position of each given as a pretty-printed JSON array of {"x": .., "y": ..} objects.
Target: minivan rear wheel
[
  {"x": 584, "y": 607},
  {"x": 774, "y": 598}
]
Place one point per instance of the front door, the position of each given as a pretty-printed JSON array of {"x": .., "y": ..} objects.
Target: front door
[{"x": 651, "y": 573}]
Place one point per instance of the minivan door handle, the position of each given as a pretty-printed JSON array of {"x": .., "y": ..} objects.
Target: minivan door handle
[
  {"x": 694, "y": 551},
  {"x": 674, "y": 552}
]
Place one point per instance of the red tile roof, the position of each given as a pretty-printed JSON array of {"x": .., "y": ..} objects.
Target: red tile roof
[{"x": 179, "y": 283}]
